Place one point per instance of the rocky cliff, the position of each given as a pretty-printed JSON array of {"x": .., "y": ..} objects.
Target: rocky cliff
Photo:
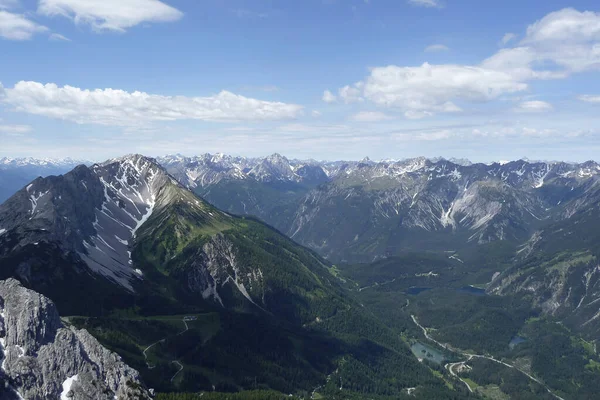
[{"x": 42, "y": 358}]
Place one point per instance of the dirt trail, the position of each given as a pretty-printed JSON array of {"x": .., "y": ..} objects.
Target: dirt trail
[{"x": 162, "y": 341}]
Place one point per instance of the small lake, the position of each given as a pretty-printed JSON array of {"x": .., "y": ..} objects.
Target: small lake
[
  {"x": 472, "y": 290},
  {"x": 516, "y": 340},
  {"x": 417, "y": 290},
  {"x": 427, "y": 352}
]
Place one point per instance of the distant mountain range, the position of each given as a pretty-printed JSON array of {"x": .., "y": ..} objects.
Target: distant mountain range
[
  {"x": 17, "y": 172},
  {"x": 359, "y": 211}
]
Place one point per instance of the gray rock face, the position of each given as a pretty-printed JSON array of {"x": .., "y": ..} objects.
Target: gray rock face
[
  {"x": 216, "y": 266},
  {"x": 44, "y": 359}
]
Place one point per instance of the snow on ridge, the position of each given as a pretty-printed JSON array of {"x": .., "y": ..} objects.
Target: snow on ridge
[
  {"x": 130, "y": 195},
  {"x": 146, "y": 216}
]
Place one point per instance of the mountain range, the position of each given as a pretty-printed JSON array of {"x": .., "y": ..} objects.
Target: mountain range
[
  {"x": 360, "y": 211},
  {"x": 121, "y": 244},
  {"x": 167, "y": 262}
]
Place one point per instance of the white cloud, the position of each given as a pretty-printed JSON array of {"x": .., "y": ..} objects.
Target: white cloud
[
  {"x": 487, "y": 132},
  {"x": 534, "y": 106},
  {"x": 240, "y": 129},
  {"x": 329, "y": 97},
  {"x": 370, "y": 116},
  {"x": 412, "y": 114},
  {"x": 588, "y": 98},
  {"x": 351, "y": 94},
  {"x": 435, "y": 48},
  {"x": 110, "y": 15},
  {"x": 15, "y": 129},
  {"x": 422, "y": 91},
  {"x": 560, "y": 44},
  {"x": 121, "y": 108},
  {"x": 426, "y": 3},
  {"x": 57, "y": 37},
  {"x": 508, "y": 37},
  {"x": 312, "y": 129},
  {"x": 568, "y": 38},
  {"x": 18, "y": 27},
  {"x": 316, "y": 113},
  {"x": 566, "y": 25}
]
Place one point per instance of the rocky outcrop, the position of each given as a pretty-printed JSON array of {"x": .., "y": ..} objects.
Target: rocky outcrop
[
  {"x": 44, "y": 359},
  {"x": 216, "y": 266}
]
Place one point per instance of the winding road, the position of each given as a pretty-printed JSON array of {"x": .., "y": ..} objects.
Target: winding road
[
  {"x": 471, "y": 356},
  {"x": 180, "y": 369},
  {"x": 162, "y": 341},
  {"x": 450, "y": 367}
]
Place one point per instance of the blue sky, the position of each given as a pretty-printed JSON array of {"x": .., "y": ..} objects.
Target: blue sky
[{"x": 324, "y": 79}]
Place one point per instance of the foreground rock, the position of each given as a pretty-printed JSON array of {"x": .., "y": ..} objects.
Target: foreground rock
[{"x": 44, "y": 359}]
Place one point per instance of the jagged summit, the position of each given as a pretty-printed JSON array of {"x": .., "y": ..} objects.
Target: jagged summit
[{"x": 134, "y": 158}]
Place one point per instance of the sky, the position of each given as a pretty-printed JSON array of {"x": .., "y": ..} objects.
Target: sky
[{"x": 321, "y": 79}]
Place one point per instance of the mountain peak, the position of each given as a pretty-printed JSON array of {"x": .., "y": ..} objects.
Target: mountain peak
[
  {"x": 94, "y": 212},
  {"x": 135, "y": 158},
  {"x": 276, "y": 157}
]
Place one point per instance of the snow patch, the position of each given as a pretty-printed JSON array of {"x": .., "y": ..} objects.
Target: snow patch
[
  {"x": 446, "y": 219},
  {"x": 34, "y": 200},
  {"x": 121, "y": 240},
  {"x": 67, "y": 387},
  {"x": 2, "y": 231},
  {"x": 145, "y": 216}
]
